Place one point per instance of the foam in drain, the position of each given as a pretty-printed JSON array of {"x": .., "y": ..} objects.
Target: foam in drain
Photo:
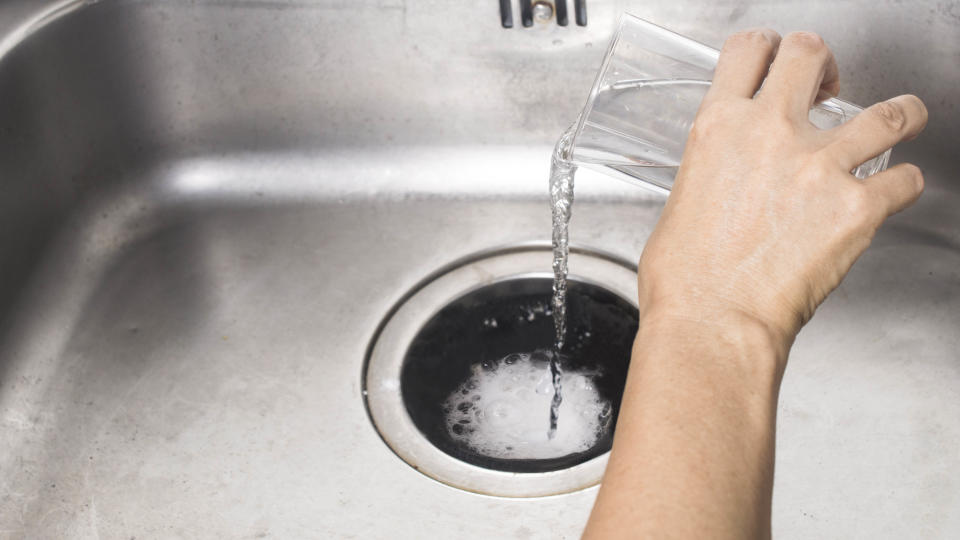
[{"x": 503, "y": 410}]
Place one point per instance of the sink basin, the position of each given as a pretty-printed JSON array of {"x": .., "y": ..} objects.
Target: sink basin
[{"x": 209, "y": 207}]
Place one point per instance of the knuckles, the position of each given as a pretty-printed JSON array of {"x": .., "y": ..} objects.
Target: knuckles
[
  {"x": 807, "y": 41},
  {"x": 741, "y": 119},
  {"x": 857, "y": 204},
  {"x": 756, "y": 38},
  {"x": 853, "y": 202},
  {"x": 891, "y": 114},
  {"x": 820, "y": 165},
  {"x": 709, "y": 121}
]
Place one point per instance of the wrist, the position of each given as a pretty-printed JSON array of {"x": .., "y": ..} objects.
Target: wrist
[{"x": 730, "y": 338}]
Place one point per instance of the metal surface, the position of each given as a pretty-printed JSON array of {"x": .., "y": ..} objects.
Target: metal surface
[{"x": 207, "y": 208}]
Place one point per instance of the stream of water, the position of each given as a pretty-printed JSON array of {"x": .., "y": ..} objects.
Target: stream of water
[{"x": 562, "y": 172}]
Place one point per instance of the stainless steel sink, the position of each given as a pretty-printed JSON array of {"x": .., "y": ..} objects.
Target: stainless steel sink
[{"x": 208, "y": 207}]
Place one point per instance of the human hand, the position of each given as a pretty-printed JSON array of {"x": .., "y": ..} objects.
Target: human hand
[{"x": 765, "y": 217}]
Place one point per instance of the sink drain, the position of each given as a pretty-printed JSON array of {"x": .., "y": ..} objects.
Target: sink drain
[
  {"x": 468, "y": 321},
  {"x": 466, "y": 340}
]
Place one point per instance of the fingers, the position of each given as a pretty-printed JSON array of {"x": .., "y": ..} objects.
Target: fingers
[
  {"x": 803, "y": 71},
  {"x": 896, "y": 188},
  {"x": 876, "y": 129},
  {"x": 743, "y": 64}
]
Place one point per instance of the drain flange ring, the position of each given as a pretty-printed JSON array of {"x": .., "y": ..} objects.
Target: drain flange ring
[{"x": 385, "y": 362}]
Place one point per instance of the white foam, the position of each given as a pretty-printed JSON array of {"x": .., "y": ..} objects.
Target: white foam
[{"x": 503, "y": 410}]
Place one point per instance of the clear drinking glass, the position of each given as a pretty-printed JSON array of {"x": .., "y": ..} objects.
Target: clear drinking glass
[{"x": 643, "y": 102}]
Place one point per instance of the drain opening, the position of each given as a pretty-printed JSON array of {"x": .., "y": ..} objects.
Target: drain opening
[
  {"x": 483, "y": 308},
  {"x": 471, "y": 335}
]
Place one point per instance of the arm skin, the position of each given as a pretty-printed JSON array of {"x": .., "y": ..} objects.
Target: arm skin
[{"x": 763, "y": 223}]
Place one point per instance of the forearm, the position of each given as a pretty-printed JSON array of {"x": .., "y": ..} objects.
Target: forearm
[{"x": 694, "y": 446}]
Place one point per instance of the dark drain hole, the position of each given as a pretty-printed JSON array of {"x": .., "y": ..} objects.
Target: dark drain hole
[{"x": 601, "y": 329}]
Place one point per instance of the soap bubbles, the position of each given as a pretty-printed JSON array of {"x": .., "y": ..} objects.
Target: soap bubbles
[{"x": 503, "y": 410}]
